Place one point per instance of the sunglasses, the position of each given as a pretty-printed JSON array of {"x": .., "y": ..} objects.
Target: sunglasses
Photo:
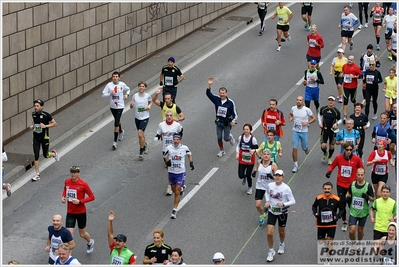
[{"x": 348, "y": 149}]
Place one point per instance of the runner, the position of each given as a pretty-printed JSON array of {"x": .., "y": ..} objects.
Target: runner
[
  {"x": 273, "y": 118},
  {"x": 6, "y": 186},
  {"x": 388, "y": 22},
  {"x": 57, "y": 234},
  {"x": 168, "y": 104},
  {"x": 141, "y": 102},
  {"x": 392, "y": 48},
  {"x": 393, "y": 135},
  {"x": 336, "y": 68},
  {"x": 315, "y": 43},
  {"x": 284, "y": 15},
  {"x": 388, "y": 243},
  {"x": 42, "y": 121},
  {"x": 347, "y": 164},
  {"x": 300, "y": 116},
  {"x": 279, "y": 198},
  {"x": 312, "y": 79},
  {"x": 218, "y": 259},
  {"x": 350, "y": 72},
  {"x": 175, "y": 155},
  {"x": 262, "y": 11},
  {"x": 306, "y": 14},
  {"x": 329, "y": 118},
  {"x": 226, "y": 116},
  {"x": 348, "y": 135},
  {"x": 272, "y": 145},
  {"x": 119, "y": 253},
  {"x": 64, "y": 256},
  {"x": 363, "y": 7},
  {"x": 170, "y": 77},
  {"x": 371, "y": 78},
  {"x": 166, "y": 130},
  {"x": 379, "y": 158},
  {"x": 359, "y": 194},
  {"x": 117, "y": 91},
  {"x": 377, "y": 13},
  {"x": 390, "y": 89},
  {"x": 266, "y": 171},
  {"x": 381, "y": 131},
  {"x": 176, "y": 258},
  {"x": 245, "y": 154},
  {"x": 360, "y": 123},
  {"x": 325, "y": 209},
  {"x": 346, "y": 24},
  {"x": 74, "y": 194},
  {"x": 157, "y": 252}
]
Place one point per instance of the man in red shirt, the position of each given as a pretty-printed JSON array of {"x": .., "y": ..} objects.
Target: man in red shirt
[
  {"x": 273, "y": 118},
  {"x": 350, "y": 72},
  {"x": 315, "y": 43},
  {"x": 74, "y": 193},
  {"x": 347, "y": 163}
]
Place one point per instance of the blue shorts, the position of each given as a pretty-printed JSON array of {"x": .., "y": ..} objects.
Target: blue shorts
[
  {"x": 303, "y": 136},
  {"x": 312, "y": 93},
  {"x": 177, "y": 178},
  {"x": 309, "y": 58}
]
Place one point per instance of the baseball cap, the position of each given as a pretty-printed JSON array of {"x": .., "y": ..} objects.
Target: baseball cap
[
  {"x": 171, "y": 59},
  {"x": 279, "y": 172},
  {"x": 340, "y": 50},
  {"x": 313, "y": 62},
  {"x": 74, "y": 169},
  {"x": 121, "y": 237},
  {"x": 218, "y": 257},
  {"x": 331, "y": 97}
]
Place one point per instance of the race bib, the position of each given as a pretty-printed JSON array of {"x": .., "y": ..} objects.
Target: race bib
[
  {"x": 276, "y": 209},
  {"x": 115, "y": 97},
  {"x": 168, "y": 80},
  {"x": 350, "y": 140},
  {"x": 140, "y": 109},
  {"x": 393, "y": 122},
  {"x": 380, "y": 169},
  {"x": 116, "y": 260},
  {"x": 71, "y": 194},
  {"x": 369, "y": 79},
  {"x": 168, "y": 140},
  {"x": 326, "y": 216},
  {"x": 271, "y": 126},
  {"x": 298, "y": 126},
  {"x": 346, "y": 171},
  {"x": 221, "y": 112},
  {"x": 358, "y": 203},
  {"x": 37, "y": 128},
  {"x": 280, "y": 19},
  {"x": 389, "y": 261},
  {"x": 246, "y": 157},
  {"x": 347, "y": 78}
]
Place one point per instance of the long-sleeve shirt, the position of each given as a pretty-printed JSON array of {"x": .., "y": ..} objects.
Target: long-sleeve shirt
[
  {"x": 347, "y": 168},
  {"x": 116, "y": 100},
  {"x": 78, "y": 190},
  {"x": 225, "y": 109}
]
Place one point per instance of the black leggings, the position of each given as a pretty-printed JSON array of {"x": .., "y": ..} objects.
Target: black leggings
[
  {"x": 45, "y": 143},
  {"x": 262, "y": 14},
  {"x": 361, "y": 143},
  {"x": 342, "y": 195},
  {"x": 245, "y": 171},
  {"x": 117, "y": 113},
  {"x": 363, "y": 7},
  {"x": 368, "y": 93}
]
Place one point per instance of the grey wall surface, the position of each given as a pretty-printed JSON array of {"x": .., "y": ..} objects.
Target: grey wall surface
[{"x": 59, "y": 51}]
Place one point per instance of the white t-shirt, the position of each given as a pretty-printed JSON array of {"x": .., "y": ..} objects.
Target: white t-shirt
[
  {"x": 300, "y": 115},
  {"x": 279, "y": 193},
  {"x": 116, "y": 101},
  {"x": 167, "y": 132},
  {"x": 141, "y": 101},
  {"x": 177, "y": 157}
]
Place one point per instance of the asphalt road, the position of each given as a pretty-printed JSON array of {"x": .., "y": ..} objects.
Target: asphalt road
[{"x": 219, "y": 216}]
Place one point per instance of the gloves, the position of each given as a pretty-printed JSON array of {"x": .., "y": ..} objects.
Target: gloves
[
  {"x": 328, "y": 174},
  {"x": 168, "y": 163},
  {"x": 161, "y": 83},
  {"x": 365, "y": 196},
  {"x": 316, "y": 215},
  {"x": 253, "y": 174},
  {"x": 192, "y": 165},
  {"x": 377, "y": 63},
  {"x": 157, "y": 137}
]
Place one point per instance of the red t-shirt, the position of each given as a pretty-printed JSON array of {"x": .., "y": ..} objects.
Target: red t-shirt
[
  {"x": 78, "y": 190},
  {"x": 269, "y": 121},
  {"x": 315, "y": 50},
  {"x": 347, "y": 169},
  {"x": 350, "y": 83}
]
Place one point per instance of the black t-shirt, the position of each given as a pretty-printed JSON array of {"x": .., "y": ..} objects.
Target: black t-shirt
[
  {"x": 161, "y": 253},
  {"x": 360, "y": 121},
  {"x": 330, "y": 116},
  {"x": 41, "y": 117},
  {"x": 170, "y": 76},
  {"x": 392, "y": 119}
]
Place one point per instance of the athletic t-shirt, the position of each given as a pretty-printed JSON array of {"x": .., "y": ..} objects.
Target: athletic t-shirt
[
  {"x": 57, "y": 237},
  {"x": 177, "y": 157},
  {"x": 282, "y": 15},
  {"x": 300, "y": 115},
  {"x": 141, "y": 101},
  {"x": 167, "y": 132},
  {"x": 116, "y": 101}
]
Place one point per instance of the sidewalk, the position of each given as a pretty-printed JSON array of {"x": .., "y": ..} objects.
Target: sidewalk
[{"x": 87, "y": 112}]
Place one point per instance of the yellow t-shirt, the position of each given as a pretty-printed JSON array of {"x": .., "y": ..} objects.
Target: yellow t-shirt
[
  {"x": 391, "y": 88},
  {"x": 282, "y": 15},
  {"x": 339, "y": 63}
]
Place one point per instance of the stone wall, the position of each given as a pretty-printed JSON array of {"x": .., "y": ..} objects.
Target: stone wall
[{"x": 59, "y": 51}]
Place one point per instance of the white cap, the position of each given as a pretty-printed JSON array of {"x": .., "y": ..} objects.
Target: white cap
[
  {"x": 218, "y": 257},
  {"x": 331, "y": 97},
  {"x": 279, "y": 172},
  {"x": 340, "y": 50}
]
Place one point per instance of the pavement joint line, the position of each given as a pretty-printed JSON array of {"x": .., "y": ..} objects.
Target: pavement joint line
[{"x": 184, "y": 201}]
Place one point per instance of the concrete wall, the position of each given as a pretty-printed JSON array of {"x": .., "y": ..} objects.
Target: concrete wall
[{"x": 59, "y": 51}]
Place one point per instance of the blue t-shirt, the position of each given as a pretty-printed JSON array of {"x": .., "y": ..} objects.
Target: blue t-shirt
[
  {"x": 345, "y": 136},
  {"x": 56, "y": 238}
]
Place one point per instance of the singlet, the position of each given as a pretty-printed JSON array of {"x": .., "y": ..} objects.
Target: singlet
[
  {"x": 309, "y": 82},
  {"x": 338, "y": 64},
  {"x": 245, "y": 156},
  {"x": 359, "y": 207},
  {"x": 366, "y": 61},
  {"x": 377, "y": 14},
  {"x": 122, "y": 258},
  {"x": 265, "y": 176}
]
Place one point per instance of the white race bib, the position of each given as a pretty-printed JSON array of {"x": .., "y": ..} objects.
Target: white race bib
[
  {"x": 326, "y": 216},
  {"x": 358, "y": 203},
  {"x": 347, "y": 78},
  {"x": 71, "y": 194},
  {"x": 116, "y": 260},
  {"x": 168, "y": 81},
  {"x": 346, "y": 171},
  {"x": 221, "y": 112}
]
